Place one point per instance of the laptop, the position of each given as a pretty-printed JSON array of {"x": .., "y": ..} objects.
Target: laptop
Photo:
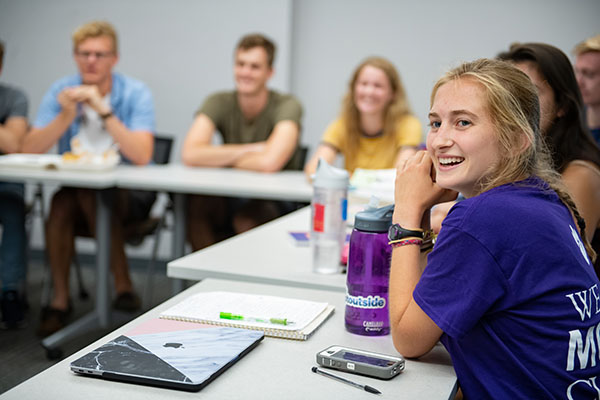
[{"x": 171, "y": 354}]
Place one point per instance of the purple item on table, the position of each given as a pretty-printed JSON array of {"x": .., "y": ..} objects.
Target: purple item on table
[{"x": 368, "y": 273}]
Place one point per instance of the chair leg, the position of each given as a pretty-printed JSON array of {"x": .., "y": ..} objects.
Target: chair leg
[
  {"x": 46, "y": 285},
  {"x": 46, "y": 282},
  {"x": 83, "y": 293}
]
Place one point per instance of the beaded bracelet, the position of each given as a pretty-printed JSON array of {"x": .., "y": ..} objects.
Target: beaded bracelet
[
  {"x": 405, "y": 242},
  {"x": 391, "y": 242}
]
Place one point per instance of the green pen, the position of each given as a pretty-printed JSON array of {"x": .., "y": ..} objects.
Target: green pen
[{"x": 237, "y": 317}]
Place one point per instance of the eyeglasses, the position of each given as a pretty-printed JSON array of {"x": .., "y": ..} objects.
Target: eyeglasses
[{"x": 100, "y": 55}]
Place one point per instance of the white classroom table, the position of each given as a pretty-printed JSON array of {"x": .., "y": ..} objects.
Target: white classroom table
[
  {"x": 275, "y": 369},
  {"x": 264, "y": 254},
  {"x": 101, "y": 181}
]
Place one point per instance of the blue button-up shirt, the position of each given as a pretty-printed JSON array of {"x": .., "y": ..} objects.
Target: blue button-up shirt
[{"x": 130, "y": 100}]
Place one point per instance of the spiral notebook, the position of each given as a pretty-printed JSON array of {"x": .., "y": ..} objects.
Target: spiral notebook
[{"x": 277, "y": 316}]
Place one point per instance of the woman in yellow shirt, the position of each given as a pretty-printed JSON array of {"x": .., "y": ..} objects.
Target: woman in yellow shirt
[{"x": 375, "y": 128}]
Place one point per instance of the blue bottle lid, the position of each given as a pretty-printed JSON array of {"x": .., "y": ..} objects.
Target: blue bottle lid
[{"x": 374, "y": 219}]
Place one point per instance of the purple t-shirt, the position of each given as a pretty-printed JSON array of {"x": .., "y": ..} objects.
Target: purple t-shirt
[{"x": 512, "y": 288}]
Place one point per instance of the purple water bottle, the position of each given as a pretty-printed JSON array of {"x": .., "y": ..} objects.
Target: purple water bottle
[{"x": 368, "y": 273}]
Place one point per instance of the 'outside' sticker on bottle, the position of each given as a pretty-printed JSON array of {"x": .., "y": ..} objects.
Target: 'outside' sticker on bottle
[
  {"x": 344, "y": 209},
  {"x": 319, "y": 217}
]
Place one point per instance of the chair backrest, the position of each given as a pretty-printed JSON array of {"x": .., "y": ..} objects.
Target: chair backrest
[
  {"x": 303, "y": 150},
  {"x": 162, "y": 149},
  {"x": 298, "y": 159}
]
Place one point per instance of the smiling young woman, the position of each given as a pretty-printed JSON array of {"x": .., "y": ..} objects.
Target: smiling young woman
[
  {"x": 503, "y": 288},
  {"x": 375, "y": 128}
]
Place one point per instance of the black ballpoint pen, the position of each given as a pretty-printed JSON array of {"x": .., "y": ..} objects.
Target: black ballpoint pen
[{"x": 366, "y": 388}]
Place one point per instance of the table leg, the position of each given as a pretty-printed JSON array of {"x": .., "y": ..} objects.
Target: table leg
[
  {"x": 178, "y": 250},
  {"x": 104, "y": 201}
]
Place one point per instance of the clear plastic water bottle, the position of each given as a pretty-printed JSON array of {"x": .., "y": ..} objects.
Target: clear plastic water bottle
[
  {"x": 368, "y": 273},
  {"x": 329, "y": 213}
]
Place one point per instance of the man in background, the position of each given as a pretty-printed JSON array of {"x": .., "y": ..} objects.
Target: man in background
[
  {"x": 260, "y": 129},
  {"x": 13, "y": 126},
  {"x": 587, "y": 72},
  {"x": 97, "y": 109}
]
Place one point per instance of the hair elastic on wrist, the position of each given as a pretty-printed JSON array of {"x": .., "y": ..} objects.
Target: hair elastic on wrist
[
  {"x": 429, "y": 239},
  {"x": 405, "y": 242},
  {"x": 403, "y": 239},
  {"x": 426, "y": 248}
]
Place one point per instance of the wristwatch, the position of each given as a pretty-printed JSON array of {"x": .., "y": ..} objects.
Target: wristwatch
[
  {"x": 396, "y": 232},
  {"x": 107, "y": 115}
]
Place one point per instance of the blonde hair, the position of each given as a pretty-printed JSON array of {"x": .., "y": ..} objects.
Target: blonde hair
[
  {"x": 395, "y": 110},
  {"x": 95, "y": 29},
  {"x": 589, "y": 44},
  {"x": 513, "y": 105}
]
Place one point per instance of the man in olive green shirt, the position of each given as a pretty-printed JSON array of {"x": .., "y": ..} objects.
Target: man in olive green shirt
[{"x": 260, "y": 130}]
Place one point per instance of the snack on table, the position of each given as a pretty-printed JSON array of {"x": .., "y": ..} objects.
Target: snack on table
[
  {"x": 111, "y": 153},
  {"x": 85, "y": 157},
  {"x": 70, "y": 157}
]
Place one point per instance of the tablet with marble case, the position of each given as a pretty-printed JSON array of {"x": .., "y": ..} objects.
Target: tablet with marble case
[{"x": 171, "y": 354}]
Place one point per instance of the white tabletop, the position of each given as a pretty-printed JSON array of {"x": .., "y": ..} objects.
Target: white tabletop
[
  {"x": 276, "y": 369},
  {"x": 283, "y": 185},
  {"x": 265, "y": 254},
  {"x": 74, "y": 178}
]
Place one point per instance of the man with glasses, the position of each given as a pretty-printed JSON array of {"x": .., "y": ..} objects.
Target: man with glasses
[
  {"x": 98, "y": 109},
  {"x": 587, "y": 71}
]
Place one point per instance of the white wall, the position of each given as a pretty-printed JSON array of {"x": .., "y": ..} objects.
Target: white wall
[{"x": 183, "y": 48}]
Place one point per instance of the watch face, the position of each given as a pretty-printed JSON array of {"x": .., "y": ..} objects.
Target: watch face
[
  {"x": 396, "y": 232},
  {"x": 393, "y": 232}
]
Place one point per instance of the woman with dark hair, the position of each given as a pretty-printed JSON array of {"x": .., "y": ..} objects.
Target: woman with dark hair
[{"x": 575, "y": 154}]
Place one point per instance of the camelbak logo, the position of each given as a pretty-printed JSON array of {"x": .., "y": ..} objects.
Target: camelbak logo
[
  {"x": 373, "y": 326},
  {"x": 365, "y": 302}
]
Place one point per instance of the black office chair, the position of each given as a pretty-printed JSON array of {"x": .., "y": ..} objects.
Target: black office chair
[
  {"x": 135, "y": 233},
  {"x": 302, "y": 155}
]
